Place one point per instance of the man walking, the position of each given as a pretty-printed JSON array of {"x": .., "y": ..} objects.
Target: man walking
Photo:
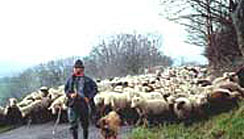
[{"x": 80, "y": 91}]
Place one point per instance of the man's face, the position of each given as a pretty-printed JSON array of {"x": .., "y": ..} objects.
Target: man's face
[{"x": 78, "y": 70}]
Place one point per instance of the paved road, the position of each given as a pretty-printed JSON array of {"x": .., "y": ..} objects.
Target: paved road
[{"x": 44, "y": 131}]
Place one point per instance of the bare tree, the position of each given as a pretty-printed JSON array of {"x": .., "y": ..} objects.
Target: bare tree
[
  {"x": 238, "y": 20},
  {"x": 124, "y": 54},
  {"x": 210, "y": 25}
]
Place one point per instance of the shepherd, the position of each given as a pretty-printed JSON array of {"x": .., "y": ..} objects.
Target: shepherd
[{"x": 80, "y": 91}]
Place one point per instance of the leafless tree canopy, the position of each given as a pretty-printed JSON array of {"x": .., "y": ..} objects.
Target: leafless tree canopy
[
  {"x": 216, "y": 25},
  {"x": 124, "y": 54}
]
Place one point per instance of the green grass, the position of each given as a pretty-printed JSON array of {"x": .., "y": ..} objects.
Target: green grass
[
  {"x": 229, "y": 125},
  {"x": 4, "y": 128}
]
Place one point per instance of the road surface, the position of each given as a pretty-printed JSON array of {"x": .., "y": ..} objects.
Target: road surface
[{"x": 44, "y": 131}]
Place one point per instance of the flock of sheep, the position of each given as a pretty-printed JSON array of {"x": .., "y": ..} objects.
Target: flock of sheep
[
  {"x": 37, "y": 107},
  {"x": 175, "y": 94}
]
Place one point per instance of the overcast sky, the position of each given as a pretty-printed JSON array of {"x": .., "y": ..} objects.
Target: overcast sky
[{"x": 35, "y": 31}]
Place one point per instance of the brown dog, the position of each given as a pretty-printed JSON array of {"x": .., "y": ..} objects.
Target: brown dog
[{"x": 109, "y": 125}]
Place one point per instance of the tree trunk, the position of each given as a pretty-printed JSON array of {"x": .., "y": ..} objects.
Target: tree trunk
[{"x": 238, "y": 20}]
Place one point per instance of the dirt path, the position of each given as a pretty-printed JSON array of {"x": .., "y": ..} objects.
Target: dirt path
[{"x": 44, "y": 131}]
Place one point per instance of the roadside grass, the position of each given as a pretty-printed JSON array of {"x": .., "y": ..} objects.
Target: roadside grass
[
  {"x": 4, "y": 128},
  {"x": 228, "y": 125}
]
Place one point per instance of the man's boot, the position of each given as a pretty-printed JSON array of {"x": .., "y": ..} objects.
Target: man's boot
[
  {"x": 74, "y": 133},
  {"x": 85, "y": 133}
]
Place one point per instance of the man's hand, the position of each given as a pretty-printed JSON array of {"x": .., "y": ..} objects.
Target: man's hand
[
  {"x": 86, "y": 99},
  {"x": 73, "y": 95}
]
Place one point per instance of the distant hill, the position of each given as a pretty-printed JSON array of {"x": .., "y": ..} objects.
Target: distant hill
[{"x": 10, "y": 68}]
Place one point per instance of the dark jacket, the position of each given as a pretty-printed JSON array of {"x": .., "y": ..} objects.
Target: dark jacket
[{"x": 84, "y": 86}]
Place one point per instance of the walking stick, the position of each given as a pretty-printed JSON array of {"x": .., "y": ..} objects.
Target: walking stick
[{"x": 57, "y": 122}]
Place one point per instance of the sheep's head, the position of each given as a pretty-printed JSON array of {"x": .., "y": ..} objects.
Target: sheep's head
[
  {"x": 183, "y": 109},
  {"x": 183, "y": 103},
  {"x": 170, "y": 99},
  {"x": 135, "y": 101},
  {"x": 12, "y": 102},
  {"x": 44, "y": 90},
  {"x": 98, "y": 99},
  {"x": 180, "y": 105},
  {"x": 201, "y": 100}
]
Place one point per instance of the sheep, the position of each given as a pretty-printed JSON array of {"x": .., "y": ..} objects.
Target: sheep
[
  {"x": 221, "y": 100},
  {"x": 128, "y": 89},
  {"x": 102, "y": 109},
  {"x": 98, "y": 99},
  {"x": 3, "y": 113},
  {"x": 27, "y": 109},
  {"x": 199, "y": 105},
  {"x": 169, "y": 98},
  {"x": 182, "y": 108},
  {"x": 59, "y": 103},
  {"x": 12, "y": 102},
  {"x": 2, "y": 110},
  {"x": 44, "y": 91},
  {"x": 109, "y": 125},
  {"x": 203, "y": 82},
  {"x": 149, "y": 107},
  {"x": 231, "y": 86},
  {"x": 117, "y": 100},
  {"x": 150, "y": 95},
  {"x": 53, "y": 94},
  {"x": 25, "y": 102},
  {"x": 226, "y": 77},
  {"x": 37, "y": 112},
  {"x": 13, "y": 113},
  {"x": 118, "y": 88},
  {"x": 28, "y": 97},
  {"x": 32, "y": 97},
  {"x": 199, "y": 100}
]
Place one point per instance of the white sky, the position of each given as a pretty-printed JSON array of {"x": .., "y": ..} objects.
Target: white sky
[{"x": 34, "y": 31}]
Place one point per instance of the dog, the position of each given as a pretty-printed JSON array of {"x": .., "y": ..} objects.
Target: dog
[{"x": 109, "y": 125}]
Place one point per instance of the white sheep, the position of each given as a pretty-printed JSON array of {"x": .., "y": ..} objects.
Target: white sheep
[
  {"x": 3, "y": 111},
  {"x": 118, "y": 88},
  {"x": 33, "y": 96},
  {"x": 150, "y": 95},
  {"x": 221, "y": 79},
  {"x": 232, "y": 86},
  {"x": 25, "y": 102},
  {"x": 12, "y": 102},
  {"x": 182, "y": 108},
  {"x": 117, "y": 100},
  {"x": 98, "y": 99},
  {"x": 53, "y": 93},
  {"x": 149, "y": 107},
  {"x": 59, "y": 103},
  {"x": 26, "y": 110},
  {"x": 198, "y": 102}
]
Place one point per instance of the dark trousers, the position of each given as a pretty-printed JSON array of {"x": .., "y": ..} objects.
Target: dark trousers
[{"x": 79, "y": 113}]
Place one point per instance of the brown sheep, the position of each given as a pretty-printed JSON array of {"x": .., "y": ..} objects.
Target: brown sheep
[{"x": 221, "y": 100}]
